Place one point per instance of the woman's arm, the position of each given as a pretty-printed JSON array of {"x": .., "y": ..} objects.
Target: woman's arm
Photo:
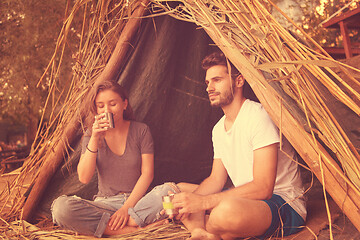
[
  {"x": 120, "y": 218},
  {"x": 144, "y": 181},
  {"x": 87, "y": 162}
]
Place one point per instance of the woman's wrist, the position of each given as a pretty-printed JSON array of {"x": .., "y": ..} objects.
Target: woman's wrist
[
  {"x": 128, "y": 205},
  {"x": 90, "y": 150}
]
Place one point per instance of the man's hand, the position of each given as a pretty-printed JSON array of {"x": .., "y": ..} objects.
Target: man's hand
[
  {"x": 119, "y": 219},
  {"x": 189, "y": 202}
]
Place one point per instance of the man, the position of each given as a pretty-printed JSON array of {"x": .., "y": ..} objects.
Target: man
[{"x": 267, "y": 196}]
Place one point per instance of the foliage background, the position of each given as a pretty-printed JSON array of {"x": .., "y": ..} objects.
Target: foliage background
[
  {"x": 28, "y": 34},
  {"x": 309, "y": 14}
]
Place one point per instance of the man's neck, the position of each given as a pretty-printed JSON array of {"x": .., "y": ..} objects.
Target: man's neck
[{"x": 231, "y": 110}]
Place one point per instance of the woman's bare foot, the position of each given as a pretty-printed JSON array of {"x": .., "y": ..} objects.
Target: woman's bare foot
[
  {"x": 202, "y": 234},
  {"x": 158, "y": 223},
  {"x": 130, "y": 229},
  {"x": 124, "y": 230}
]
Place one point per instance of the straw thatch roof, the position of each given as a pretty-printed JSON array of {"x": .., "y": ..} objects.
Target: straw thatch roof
[{"x": 295, "y": 84}]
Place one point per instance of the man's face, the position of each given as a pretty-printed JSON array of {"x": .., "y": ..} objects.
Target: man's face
[{"x": 219, "y": 86}]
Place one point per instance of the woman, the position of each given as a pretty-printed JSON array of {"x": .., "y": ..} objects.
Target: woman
[{"x": 124, "y": 159}]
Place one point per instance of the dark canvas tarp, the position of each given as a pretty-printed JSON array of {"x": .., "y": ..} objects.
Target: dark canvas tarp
[{"x": 167, "y": 91}]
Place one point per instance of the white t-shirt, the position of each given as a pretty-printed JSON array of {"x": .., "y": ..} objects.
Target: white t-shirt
[{"x": 253, "y": 129}]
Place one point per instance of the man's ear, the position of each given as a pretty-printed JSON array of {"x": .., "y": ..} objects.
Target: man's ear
[{"x": 239, "y": 81}]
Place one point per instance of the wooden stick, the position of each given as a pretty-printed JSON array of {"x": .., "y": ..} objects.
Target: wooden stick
[{"x": 110, "y": 71}]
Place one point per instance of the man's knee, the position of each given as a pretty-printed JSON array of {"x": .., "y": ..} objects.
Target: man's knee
[{"x": 222, "y": 217}]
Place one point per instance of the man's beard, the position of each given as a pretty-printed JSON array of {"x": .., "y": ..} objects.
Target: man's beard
[{"x": 224, "y": 100}]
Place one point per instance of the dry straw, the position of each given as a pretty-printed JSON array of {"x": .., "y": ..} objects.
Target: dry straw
[
  {"x": 24, "y": 230},
  {"x": 241, "y": 29}
]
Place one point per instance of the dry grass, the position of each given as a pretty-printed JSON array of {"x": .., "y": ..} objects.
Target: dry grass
[
  {"x": 243, "y": 27},
  {"x": 24, "y": 230}
]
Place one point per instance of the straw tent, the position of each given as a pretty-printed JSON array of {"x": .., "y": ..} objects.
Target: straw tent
[{"x": 154, "y": 48}]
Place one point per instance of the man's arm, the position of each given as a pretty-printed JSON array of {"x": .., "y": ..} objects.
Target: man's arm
[
  {"x": 262, "y": 186},
  {"x": 216, "y": 181},
  {"x": 212, "y": 184}
]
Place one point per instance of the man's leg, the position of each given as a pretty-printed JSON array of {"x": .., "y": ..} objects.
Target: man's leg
[
  {"x": 239, "y": 218},
  {"x": 195, "y": 222}
]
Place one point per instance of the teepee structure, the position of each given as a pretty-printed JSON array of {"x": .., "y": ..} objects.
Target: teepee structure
[{"x": 296, "y": 85}]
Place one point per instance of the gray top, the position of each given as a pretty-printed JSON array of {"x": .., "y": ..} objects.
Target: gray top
[{"x": 120, "y": 173}]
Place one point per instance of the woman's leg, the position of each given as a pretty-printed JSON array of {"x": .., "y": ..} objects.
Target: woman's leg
[
  {"x": 126, "y": 229},
  {"x": 132, "y": 227},
  {"x": 147, "y": 210},
  {"x": 80, "y": 215}
]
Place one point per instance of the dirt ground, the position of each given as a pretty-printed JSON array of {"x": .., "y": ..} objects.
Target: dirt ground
[{"x": 342, "y": 228}]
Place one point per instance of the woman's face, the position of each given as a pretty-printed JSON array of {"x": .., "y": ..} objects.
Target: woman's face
[{"x": 109, "y": 101}]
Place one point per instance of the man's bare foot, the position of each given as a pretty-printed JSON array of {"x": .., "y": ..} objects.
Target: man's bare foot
[{"x": 202, "y": 234}]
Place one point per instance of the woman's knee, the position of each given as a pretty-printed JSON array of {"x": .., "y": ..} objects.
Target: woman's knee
[
  {"x": 61, "y": 209},
  {"x": 164, "y": 189},
  {"x": 148, "y": 209}
]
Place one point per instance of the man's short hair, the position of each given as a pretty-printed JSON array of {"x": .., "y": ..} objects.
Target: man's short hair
[{"x": 218, "y": 58}]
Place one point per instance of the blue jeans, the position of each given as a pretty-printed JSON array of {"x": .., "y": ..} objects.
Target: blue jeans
[{"x": 91, "y": 217}]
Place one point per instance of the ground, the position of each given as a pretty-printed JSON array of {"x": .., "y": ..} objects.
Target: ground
[{"x": 342, "y": 228}]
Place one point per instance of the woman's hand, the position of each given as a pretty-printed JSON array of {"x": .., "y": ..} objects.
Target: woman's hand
[
  {"x": 100, "y": 125},
  {"x": 119, "y": 219}
]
